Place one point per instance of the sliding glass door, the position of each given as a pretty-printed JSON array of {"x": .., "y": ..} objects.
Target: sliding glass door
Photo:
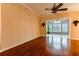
[
  {"x": 58, "y": 27},
  {"x": 57, "y": 33}
]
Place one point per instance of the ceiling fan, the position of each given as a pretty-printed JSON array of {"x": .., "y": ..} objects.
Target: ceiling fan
[{"x": 57, "y": 8}]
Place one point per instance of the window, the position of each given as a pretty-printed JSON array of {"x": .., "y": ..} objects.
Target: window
[
  {"x": 64, "y": 27},
  {"x": 58, "y": 26},
  {"x": 50, "y": 29}
]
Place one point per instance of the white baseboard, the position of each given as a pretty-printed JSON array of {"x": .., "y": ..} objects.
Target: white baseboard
[
  {"x": 17, "y": 44},
  {"x": 74, "y": 38}
]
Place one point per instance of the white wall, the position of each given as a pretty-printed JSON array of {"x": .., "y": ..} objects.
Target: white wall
[{"x": 18, "y": 25}]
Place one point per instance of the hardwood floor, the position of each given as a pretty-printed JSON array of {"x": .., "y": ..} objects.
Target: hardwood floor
[{"x": 39, "y": 47}]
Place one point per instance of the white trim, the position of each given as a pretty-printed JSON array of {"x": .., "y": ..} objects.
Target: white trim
[
  {"x": 74, "y": 39},
  {"x": 18, "y": 44},
  {"x": 69, "y": 30}
]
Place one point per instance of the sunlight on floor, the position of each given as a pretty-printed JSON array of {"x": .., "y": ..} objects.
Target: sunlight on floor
[{"x": 57, "y": 41}]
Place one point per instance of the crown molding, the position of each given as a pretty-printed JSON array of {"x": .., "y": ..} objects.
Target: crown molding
[{"x": 30, "y": 9}]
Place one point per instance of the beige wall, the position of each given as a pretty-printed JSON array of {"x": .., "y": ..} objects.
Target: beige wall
[
  {"x": 73, "y": 16},
  {"x": 18, "y": 25}
]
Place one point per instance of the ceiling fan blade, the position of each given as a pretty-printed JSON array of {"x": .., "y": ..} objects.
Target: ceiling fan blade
[
  {"x": 59, "y": 6},
  {"x": 64, "y": 9},
  {"x": 53, "y": 7},
  {"x": 47, "y": 9}
]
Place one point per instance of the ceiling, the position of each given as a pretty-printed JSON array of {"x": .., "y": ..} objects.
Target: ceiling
[{"x": 40, "y": 7}]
